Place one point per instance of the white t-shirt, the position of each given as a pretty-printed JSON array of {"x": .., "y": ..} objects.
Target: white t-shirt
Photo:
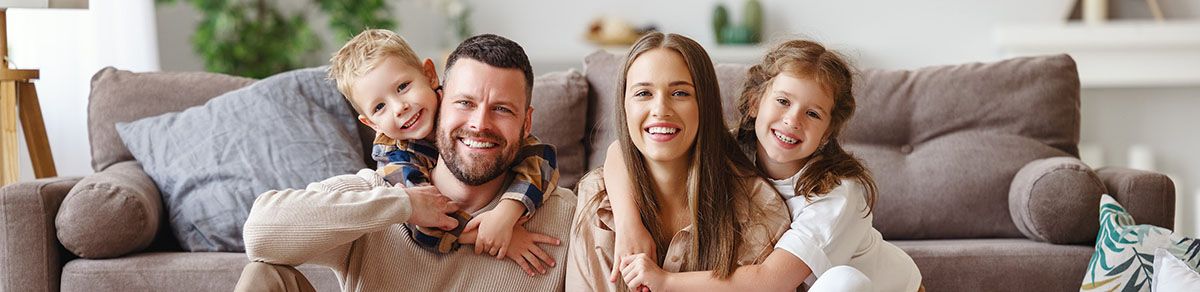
[{"x": 832, "y": 230}]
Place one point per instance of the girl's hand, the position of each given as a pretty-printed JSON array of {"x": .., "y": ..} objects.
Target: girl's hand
[
  {"x": 642, "y": 273},
  {"x": 523, "y": 250},
  {"x": 629, "y": 241}
]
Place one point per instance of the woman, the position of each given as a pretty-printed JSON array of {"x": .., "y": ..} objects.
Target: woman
[{"x": 698, "y": 196}]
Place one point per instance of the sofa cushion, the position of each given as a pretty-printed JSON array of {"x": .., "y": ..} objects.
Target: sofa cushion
[
  {"x": 945, "y": 142},
  {"x": 1054, "y": 200},
  {"x": 210, "y": 162},
  {"x": 1007, "y": 264},
  {"x": 1124, "y": 253},
  {"x": 176, "y": 271},
  {"x": 602, "y": 69},
  {"x": 119, "y": 96},
  {"x": 111, "y": 213},
  {"x": 559, "y": 118}
]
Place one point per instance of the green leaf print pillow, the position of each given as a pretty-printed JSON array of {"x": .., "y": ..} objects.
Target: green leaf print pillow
[{"x": 1124, "y": 257}]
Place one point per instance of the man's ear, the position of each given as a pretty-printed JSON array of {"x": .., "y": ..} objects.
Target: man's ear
[
  {"x": 529, "y": 121},
  {"x": 430, "y": 72}
]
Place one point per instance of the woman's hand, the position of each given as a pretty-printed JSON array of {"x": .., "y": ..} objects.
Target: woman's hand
[
  {"x": 630, "y": 240},
  {"x": 642, "y": 273}
]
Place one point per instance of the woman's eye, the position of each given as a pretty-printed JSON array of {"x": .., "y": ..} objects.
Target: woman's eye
[
  {"x": 378, "y": 107},
  {"x": 783, "y": 101},
  {"x": 681, "y": 93},
  {"x": 641, "y": 93},
  {"x": 402, "y": 86}
]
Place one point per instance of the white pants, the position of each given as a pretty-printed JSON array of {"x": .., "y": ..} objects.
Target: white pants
[{"x": 840, "y": 279}]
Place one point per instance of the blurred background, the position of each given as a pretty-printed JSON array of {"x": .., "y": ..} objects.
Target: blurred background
[{"x": 1141, "y": 88}]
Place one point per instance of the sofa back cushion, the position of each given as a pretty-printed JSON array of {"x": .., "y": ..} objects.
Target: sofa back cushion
[
  {"x": 210, "y": 162},
  {"x": 943, "y": 143},
  {"x": 120, "y": 96}
]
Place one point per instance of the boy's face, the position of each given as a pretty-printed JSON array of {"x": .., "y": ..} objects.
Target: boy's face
[{"x": 397, "y": 99}]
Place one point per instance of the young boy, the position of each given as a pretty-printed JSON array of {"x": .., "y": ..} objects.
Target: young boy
[{"x": 398, "y": 96}]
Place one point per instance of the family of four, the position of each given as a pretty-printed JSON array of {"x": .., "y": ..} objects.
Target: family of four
[{"x": 463, "y": 190}]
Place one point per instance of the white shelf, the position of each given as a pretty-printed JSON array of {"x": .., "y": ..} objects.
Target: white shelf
[
  {"x": 1117, "y": 54},
  {"x": 548, "y": 59}
]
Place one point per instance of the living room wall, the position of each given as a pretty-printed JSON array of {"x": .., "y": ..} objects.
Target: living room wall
[{"x": 876, "y": 34}]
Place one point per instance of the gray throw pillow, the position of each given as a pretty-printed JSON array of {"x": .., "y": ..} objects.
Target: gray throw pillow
[{"x": 210, "y": 162}]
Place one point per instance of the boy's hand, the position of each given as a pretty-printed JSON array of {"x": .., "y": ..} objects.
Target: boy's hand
[
  {"x": 496, "y": 228},
  {"x": 642, "y": 274},
  {"x": 631, "y": 239},
  {"x": 526, "y": 253},
  {"x": 429, "y": 208}
]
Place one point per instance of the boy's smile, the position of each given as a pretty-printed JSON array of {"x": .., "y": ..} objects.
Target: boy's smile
[{"x": 398, "y": 99}]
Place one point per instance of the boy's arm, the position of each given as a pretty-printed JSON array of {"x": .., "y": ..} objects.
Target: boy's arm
[
  {"x": 535, "y": 175},
  {"x": 404, "y": 163}
]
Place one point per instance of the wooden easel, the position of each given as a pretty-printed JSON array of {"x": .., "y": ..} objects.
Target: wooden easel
[{"x": 17, "y": 91}]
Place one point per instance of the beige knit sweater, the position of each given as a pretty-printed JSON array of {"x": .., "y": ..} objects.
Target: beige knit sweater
[{"x": 351, "y": 223}]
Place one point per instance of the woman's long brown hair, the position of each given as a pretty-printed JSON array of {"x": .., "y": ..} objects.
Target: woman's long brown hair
[
  {"x": 830, "y": 163},
  {"x": 717, "y": 167}
]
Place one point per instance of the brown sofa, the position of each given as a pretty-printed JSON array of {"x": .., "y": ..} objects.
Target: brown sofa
[{"x": 976, "y": 166}]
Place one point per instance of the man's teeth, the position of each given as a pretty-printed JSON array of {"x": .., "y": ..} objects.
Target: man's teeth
[
  {"x": 786, "y": 139},
  {"x": 478, "y": 144},
  {"x": 662, "y": 130}
]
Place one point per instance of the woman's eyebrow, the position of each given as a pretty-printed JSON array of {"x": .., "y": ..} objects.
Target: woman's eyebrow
[{"x": 681, "y": 82}]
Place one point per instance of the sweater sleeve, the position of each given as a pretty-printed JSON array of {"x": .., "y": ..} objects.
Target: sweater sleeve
[
  {"x": 318, "y": 224},
  {"x": 826, "y": 231}
]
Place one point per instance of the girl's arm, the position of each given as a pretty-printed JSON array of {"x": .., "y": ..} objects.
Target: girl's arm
[
  {"x": 781, "y": 271},
  {"x": 631, "y": 235}
]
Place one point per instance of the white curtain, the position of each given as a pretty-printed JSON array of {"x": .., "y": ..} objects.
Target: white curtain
[{"x": 68, "y": 46}]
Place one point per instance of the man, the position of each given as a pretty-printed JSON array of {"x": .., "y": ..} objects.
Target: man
[{"x": 354, "y": 226}]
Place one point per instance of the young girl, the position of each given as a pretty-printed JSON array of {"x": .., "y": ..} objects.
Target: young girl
[{"x": 793, "y": 106}]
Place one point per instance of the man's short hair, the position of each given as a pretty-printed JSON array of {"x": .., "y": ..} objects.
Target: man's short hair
[
  {"x": 496, "y": 51},
  {"x": 365, "y": 51}
]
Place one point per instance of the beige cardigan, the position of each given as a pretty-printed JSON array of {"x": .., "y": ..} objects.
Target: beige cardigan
[{"x": 351, "y": 223}]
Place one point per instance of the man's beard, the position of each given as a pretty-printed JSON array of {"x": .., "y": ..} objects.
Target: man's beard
[{"x": 475, "y": 169}]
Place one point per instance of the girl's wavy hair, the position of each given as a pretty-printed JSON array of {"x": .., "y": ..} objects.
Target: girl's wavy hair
[{"x": 806, "y": 59}]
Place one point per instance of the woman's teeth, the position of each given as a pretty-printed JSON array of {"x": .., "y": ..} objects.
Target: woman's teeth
[
  {"x": 662, "y": 130},
  {"x": 785, "y": 139}
]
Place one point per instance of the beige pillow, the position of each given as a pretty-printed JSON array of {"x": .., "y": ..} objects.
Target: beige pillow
[
  {"x": 111, "y": 213},
  {"x": 1054, "y": 200},
  {"x": 559, "y": 117}
]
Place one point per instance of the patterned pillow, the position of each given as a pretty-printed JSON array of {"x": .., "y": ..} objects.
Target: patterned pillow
[{"x": 1124, "y": 257}]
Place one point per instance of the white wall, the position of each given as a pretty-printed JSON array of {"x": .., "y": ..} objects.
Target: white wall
[{"x": 880, "y": 34}]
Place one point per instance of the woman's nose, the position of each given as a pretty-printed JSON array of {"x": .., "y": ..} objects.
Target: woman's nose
[{"x": 660, "y": 107}]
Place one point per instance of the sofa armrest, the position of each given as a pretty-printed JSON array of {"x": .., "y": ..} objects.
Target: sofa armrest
[
  {"x": 31, "y": 257},
  {"x": 1148, "y": 196}
]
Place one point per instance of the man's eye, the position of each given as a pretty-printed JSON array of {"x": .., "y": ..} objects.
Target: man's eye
[
  {"x": 463, "y": 104},
  {"x": 378, "y": 107},
  {"x": 503, "y": 110},
  {"x": 402, "y": 86}
]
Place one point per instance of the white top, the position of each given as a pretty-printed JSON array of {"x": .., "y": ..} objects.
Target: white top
[{"x": 831, "y": 230}]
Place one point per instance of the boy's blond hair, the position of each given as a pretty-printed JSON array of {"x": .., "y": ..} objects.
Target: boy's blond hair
[{"x": 365, "y": 51}]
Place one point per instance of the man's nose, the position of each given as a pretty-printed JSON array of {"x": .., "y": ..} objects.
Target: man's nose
[{"x": 479, "y": 118}]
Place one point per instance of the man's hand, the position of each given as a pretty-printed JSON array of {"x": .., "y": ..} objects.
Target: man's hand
[
  {"x": 642, "y": 274},
  {"x": 429, "y": 208},
  {"x": 496, "y": 228}
]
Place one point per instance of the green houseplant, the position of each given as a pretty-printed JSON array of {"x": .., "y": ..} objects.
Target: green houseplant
[{"x": 253, "y": 38}]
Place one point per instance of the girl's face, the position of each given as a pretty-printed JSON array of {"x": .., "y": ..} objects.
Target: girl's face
[
  {"x": 660, "y": 105},
  {"x": 792, "y": 118}
]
